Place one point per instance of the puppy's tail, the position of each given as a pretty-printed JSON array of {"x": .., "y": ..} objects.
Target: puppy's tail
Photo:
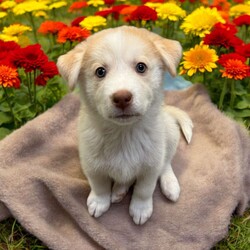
[{"x": 183, "y": 120}]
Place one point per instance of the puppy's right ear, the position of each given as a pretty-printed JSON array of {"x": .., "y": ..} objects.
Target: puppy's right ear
[{"x": 69, "y": 65}]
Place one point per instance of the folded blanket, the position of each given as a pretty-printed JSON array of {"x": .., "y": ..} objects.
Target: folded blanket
[{"x": 43, "y": 187}]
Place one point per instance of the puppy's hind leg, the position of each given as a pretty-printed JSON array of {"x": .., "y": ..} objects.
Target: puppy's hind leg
[
  {"x": 119, "y": 191},
  {"x": 169, "y": 184}
]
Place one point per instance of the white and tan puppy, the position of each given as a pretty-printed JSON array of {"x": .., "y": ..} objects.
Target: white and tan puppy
[{"x": 126, "y": 133}]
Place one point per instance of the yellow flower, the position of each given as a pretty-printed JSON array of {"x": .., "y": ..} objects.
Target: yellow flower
[
  {"x": 170, "y": 11},
  {"x": 2, "y": 14},
  {"x": 16, "y": 29},
  {"x": 29, "y": 6},
  {"x": 239, "y": 9},
  {"x": 95, "y": 3},
  {"x": 7, "y": 5},
  {"x": 93, "y": 22},
  {"x": 7, "y": 38},
  {"x": 200, "y": 58},
  {"x": 201, "y": 21},
  {"x": 57, "y": 5},
  {"x": 41, "y": 13},
  {"x": 153, "y": 5}
]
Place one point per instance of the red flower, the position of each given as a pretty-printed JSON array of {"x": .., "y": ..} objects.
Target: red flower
[
  {"x": 243, "y": 50},
  {"x": 153, "y": 1},
  {"x": 143, "y": 13},
  {"x": 242, "y": 20},
  {"x": 51, "y": 27},
  {"x": 77, "y": 6},
  {"x": 109, "y": 2},
  {"x": 49, "y": 70},
  {"x": 72, "y": 34},
  {"x": 231, "y": 56},
  {"x": 235, "y": 69},
  {"x": 106, "y": 12},
  {"x": 29, "y": 58},
  {"x": 6, "y": 49},
  {"x": 222, "y": 37},
  {"x": 226, "y": 26},
  {"x": 8, "y": 46},
  {"x": 76, "y": 21}
]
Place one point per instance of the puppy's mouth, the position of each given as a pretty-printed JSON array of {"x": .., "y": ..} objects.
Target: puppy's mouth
[{"x": 125, "y": 117}]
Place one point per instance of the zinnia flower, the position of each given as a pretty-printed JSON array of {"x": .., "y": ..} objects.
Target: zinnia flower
[
  {"x": 235, "y": 69},
  {"x": 51, "y": 27},
  {"x": 72, "y": 34},
  {"x": 2, "y": 14},
  {"x": 16, "y": 29},
  {"x": 9, "y": 77},
  {"x": 239, "y": 10},
  {"x": 77, "y": 6},
  {"x": 93, "y": 22},
  {"x": 242, "y": 20},
  {"x": 49, "y": 70},
  {"x": 7, "y": 38},
  {"x": 29, "y": 6},
  {"x": 77, "y": 20},
  {"x": 6, "y": 49},
  {"x": 222, "y": 37},
  {"x": 170, "y": 11},
  {"x": 95, "y": 3},
  {"x": 143, "y": 13},
  {"x": 7, "y": 5},
  {"x": 200, "y": 58},
  {"x": 243, "y": 50},
  {"x": 57, "y": 5},
  {"x": 30, "y": 58},
  {"x": 201, "y": 21},
  {"x": 230, "y": 56}
]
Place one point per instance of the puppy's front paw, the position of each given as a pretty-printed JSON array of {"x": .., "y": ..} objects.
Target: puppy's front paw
[
  {"x": 97, "y": 205},
  {"x": 140, "y": 210},
  {"x": 170, "y": 188}
]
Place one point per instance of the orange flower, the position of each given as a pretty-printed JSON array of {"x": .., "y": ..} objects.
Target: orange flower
[
  {"x": 51, "y": 27},
  {"x": 77, "y": 6},
  {"x": 235, "y": 69},
  {"x": 9, "y": 77},
  {"x": 72, "y": 34}
]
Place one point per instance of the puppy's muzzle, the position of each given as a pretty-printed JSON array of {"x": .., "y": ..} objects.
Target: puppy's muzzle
[{"x": 122, "y": 99}]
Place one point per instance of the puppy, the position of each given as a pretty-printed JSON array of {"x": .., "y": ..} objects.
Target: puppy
[{"x": 126, "y": 133}]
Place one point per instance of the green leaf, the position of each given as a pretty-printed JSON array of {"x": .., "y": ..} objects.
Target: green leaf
[
  {"x": 4, "y": 132},
  {"x": 5, "y": 118}
]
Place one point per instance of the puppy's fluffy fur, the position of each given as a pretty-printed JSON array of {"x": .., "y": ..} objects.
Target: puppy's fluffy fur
[{"x": 126, "y": 133}]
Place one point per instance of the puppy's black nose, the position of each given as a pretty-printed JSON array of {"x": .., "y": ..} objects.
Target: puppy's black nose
[{"x": 122, "y": 99}]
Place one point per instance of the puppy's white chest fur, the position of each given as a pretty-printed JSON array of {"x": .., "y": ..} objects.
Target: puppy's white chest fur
[{"x": 124, "y": 153}]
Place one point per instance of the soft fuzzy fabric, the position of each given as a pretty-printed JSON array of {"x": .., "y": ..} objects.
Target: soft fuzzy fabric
[{"x": 42, "y": 186}]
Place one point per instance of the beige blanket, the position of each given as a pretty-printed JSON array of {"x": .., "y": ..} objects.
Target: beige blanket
[{"x": 42, "y": 186}]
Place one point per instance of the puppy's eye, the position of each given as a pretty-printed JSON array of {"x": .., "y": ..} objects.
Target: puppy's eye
[
  {"x": 141, "y": 67},
  {"x": 100, "y": 72}
]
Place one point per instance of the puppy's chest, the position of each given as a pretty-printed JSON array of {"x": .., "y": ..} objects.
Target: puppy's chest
[{"x": 122, "y": 153}]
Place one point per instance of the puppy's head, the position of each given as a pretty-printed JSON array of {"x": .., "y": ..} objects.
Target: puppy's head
[{"x": 120, "y": 71}]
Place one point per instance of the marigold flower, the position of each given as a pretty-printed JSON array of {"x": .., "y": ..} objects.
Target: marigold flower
[
  {"x": 29, "y": 6},
  {"x": 57, "y": 5},
  {"x": 93, "y": 22},
  {"x": 242, "y": 20},
  {"x": 95, "y": 3},
  {"x": 170, "y": 11},
  {"x": 143, "y": 13},
  {"x": 73, "y": 34},
  {"x": 76, "y": 21},
  {"x": 235, "y": 69},
  {"x": 16, "y": 29},
  {"x": 200, "y": 58},
  {"x": 243, "y": 50},
  {"x": 221, "y": 5},
  {"x": 201, "y": 21},
  {"x": 7, "y": 38},
  {"x": 30, "y": 58},
  {"x": 77, "y": 6},
  {"x": 7, "y": 5},
  {"x": 51, "y": 27},
  {"x": 9, "y": 77},
  {"x": 222, "y": 37},
  {"x": 2, "y": 14},
  {"x": 239, "y": 9}
]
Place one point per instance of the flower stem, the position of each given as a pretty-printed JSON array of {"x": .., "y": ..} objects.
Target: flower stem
[
  {"x": 233, "y": 94},
  {"x": 10, "y": 106},
  {"x": 222, "y": 95},
  {"x": 33, "y": 26}
]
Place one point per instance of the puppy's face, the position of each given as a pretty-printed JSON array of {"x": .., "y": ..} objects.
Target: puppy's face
[{"x": 120, "y": 71}]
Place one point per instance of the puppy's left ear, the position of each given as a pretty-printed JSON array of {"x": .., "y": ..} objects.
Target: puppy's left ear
[
  {"x": 170, "y": 52},
  {"x": 69, "y": 65}
]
